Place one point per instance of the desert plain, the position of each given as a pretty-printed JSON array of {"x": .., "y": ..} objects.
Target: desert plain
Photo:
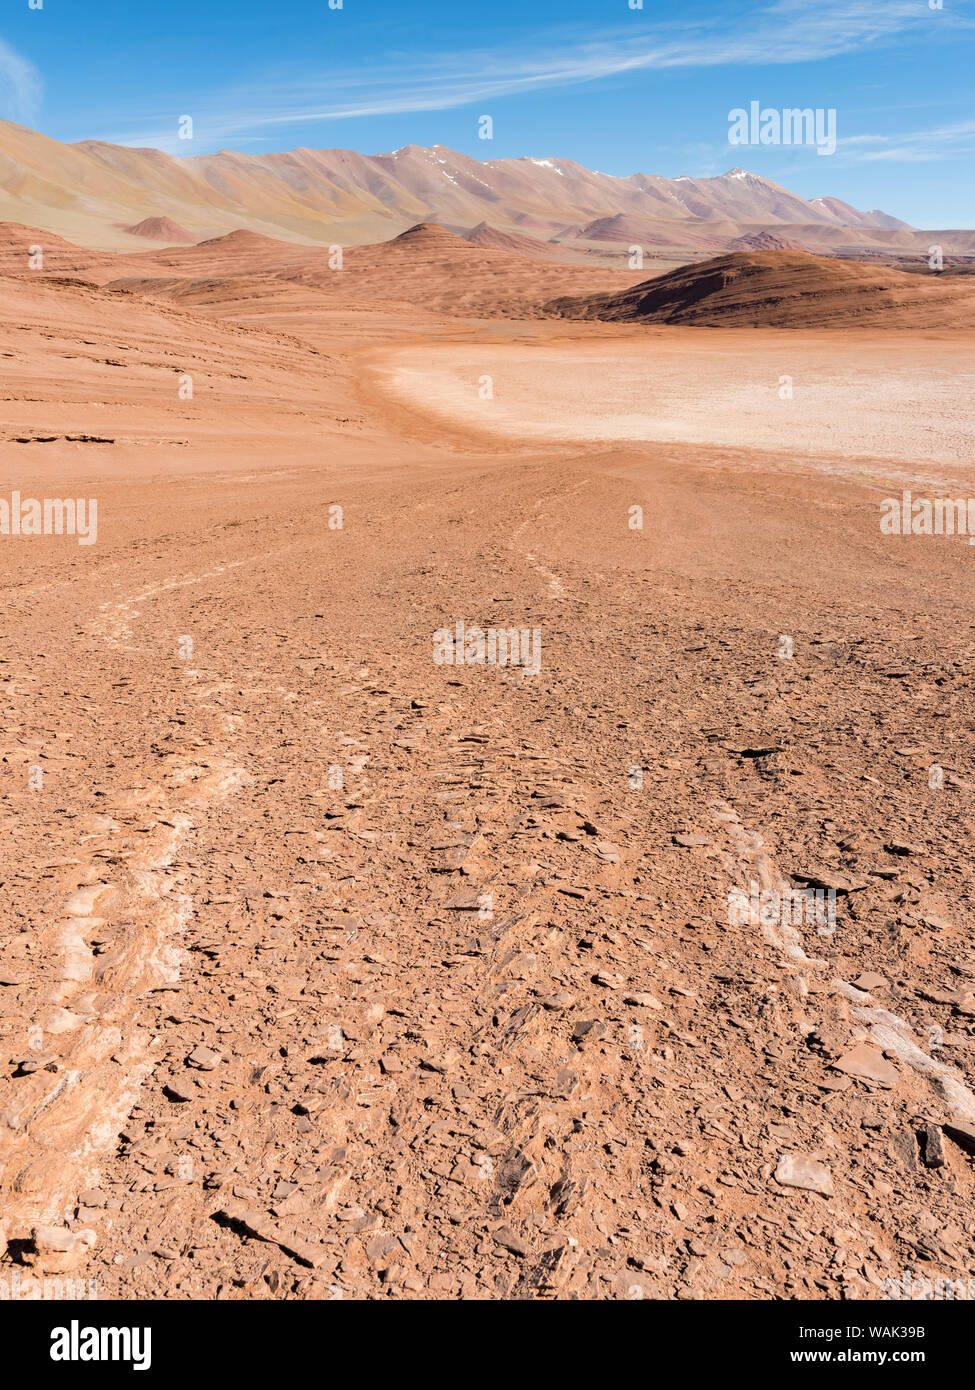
[{"x": 332, "y": 970}]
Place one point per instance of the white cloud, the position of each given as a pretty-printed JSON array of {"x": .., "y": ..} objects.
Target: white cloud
[
  {"x": 20, "y": 85},
  {"x": 913, "y": 147},
  {"x": 782, "y": 32}
]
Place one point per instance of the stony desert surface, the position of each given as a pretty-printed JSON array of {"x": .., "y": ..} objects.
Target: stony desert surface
[{"x": 331, "y": 971}]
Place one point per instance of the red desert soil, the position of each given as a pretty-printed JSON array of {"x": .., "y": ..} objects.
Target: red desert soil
[{"x": 327, "y": 970}]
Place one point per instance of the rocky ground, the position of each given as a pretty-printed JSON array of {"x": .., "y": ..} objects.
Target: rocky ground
[{"x": 330, "y": 971}]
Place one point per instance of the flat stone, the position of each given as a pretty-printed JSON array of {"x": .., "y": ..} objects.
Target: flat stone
[
  {"x": 936, "y": 922},
  {"x": 870, "y": 980},
  {"x": 179, "y": 1091},
  {"x": 834, "y": 1083},
  {"x": 444, "y": 1062},
  {"x": 554, "y": 1002},
  {"x": 819, "y": 876},
  {"x": 506, "y": 1238},
  {"x": 606, "y": 979},
  {"x": 642, "y": 1001},
  {"x": 260, "y": 1227},
  {"x": 904, "y": 1145},
  {"x": 204, "y": 1058},
  {"x": 55, "y": 1249},
  {"x": 867, "y": 1064},
  {"x": 799, "y": 1170},
  {"x": 381, "y": 1246},
  {"x": 607, "y": 851},
  {"x": 585, "y": 1026}
]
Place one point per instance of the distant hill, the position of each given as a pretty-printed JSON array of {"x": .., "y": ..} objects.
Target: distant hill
[
  {"x": 782, "y": 289},
  {"x": 161, "y": 229},
  {"x": 101, "y": 195}
]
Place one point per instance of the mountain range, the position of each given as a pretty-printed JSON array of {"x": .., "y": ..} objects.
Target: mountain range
[{"x": 114, "y": 197}]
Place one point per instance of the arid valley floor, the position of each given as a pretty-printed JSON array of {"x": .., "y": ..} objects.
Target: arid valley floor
[{"x": 327, "y": 970}]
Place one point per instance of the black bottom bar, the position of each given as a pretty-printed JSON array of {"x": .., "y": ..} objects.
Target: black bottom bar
[{"x": 186, "y": 1339}]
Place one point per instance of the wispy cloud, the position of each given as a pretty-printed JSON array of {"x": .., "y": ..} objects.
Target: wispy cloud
[
  {"x": 913, "y": 147},
  {"x": 20, "y": 85},
  {"x": 782, "y": 32}
]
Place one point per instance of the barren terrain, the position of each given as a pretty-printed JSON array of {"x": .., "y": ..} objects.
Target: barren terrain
[{"x": 327, "y": 970}]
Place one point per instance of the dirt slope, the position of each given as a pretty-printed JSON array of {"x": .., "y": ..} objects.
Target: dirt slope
[
  {"x": 782, "y": 289},
  {"x": 331, "y": 971}
]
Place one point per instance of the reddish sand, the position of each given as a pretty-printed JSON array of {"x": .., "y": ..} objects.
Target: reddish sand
[{"x": 331, "y": 970}]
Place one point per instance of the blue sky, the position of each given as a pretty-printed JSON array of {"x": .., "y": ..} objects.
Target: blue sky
[{"x": 618, "y": 89}]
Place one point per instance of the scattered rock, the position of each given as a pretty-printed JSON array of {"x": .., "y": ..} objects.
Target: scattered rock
[
  {"x": 643, "y": 1001},
  {"x": 870, "y": 980},
  {"x": 55, "y": 1249},
  {"x": 962, "y": 1133},
  {"x": 868, "y": 1064},
  {"x": 606, "y": 979},
  {"x": 586, "y": 1026},
  {"x": 800, "y": 1170},
  {"x": 932, "y": 1150},
  {"x": 261, "y": 1227},
  {"x": 203, "y": 1058},
  {"x": 506, "y": 1238}
]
